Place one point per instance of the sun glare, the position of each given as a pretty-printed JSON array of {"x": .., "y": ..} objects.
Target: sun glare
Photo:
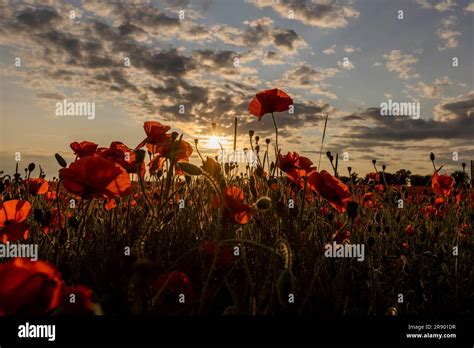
[{"x": 213, "y": 142}]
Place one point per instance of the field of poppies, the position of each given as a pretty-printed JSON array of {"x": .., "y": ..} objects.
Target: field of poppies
[{"x": 141, "y": 230}]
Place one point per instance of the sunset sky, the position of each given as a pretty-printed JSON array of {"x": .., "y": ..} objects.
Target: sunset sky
[{"x": 192, "y": 61}]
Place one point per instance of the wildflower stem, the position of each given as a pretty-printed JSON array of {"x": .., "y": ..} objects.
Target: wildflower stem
[{"x": 276, "y": 133}]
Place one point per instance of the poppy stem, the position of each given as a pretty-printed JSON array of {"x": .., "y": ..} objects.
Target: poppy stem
[{"x": 276, "y": 133}]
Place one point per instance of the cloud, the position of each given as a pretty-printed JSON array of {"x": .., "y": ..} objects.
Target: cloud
[
  {"x": 445, "y": 5},
  {"x": 346, "y": 65},
  {"x": 449, "y": 38},
  {"x": 323, "y": 14},
  {"x": 351, "y": 49},
  {"x": 330, "y": 50},
  {"x": 456, "y": 109},
  {"x": 304, "y": 76},
  {"x": 401, "y": 63},
  {"x": 429, "y": 91},
  {"x": 261, "y": 32},
  {"x": 424, "y": 4},
  {"x": 272, "y": 58}
]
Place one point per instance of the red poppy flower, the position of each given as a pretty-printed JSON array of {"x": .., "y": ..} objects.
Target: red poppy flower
[
  {"x": 172, "y": 285},
  {"x": 379, "y": 188},
  {"x": 234, "y": 207},
  {"x": 367, "y": 199},
  {"x": 212, "y": 167},
  {"x": 95, "y": 177},
  {"x": 181, "y": 151},
  {"x": 442, "y": 184},
  {"x": 439, "y": 203},
  {"x": 13, "y": 214},
  {"x": 51, "y": 195},
  {"x": 29, "y": 287},
  {"x": 82, "y": 304},
  {"x": 295, "y": 166},
  {"x": 156, "y": 164},
  {"x": 37, "y": 186},
  {"x": 374, "y": 176},
  {"x": 155, "y": 135},
  {"x": 53, "y": 222},
  {"x": 123, "y": 155},
  {"x": 330, "y": 188},
  {"x": 272, "y": 100},
  {"x": 224, "y": 259},
  {"x": 410, "y": 230},
  {"x": 84, "y": 148}
]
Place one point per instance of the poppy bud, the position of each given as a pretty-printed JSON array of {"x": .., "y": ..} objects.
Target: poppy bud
[
  {"x": 352, "y": 208},
  {"x": 196, "y": 141},
  {"x": 267, "y": 141},
  {"x": 374, "y": 162},
  {"x": 251, "y": 133},
  {"x": 349, "y": 169},
  {"x": 331, "y": 158},
  {"x": 432, "y": 156},
  {"x": 60, "y": 160},
  {"x": 328, "y": 153},
  {"x": 31, "y": 167},
  {"x": 463, "y": 165},
  {"x": 384, "y": 167}
]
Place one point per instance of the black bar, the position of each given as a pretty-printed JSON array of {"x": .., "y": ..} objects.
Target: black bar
[{"x": 231, "y": 330}]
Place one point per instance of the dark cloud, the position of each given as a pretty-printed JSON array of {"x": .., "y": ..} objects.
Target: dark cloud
[
  {"x": 38, "y": 18},
  {"x": 455, "y": 120},
  {"x": 327, "y": 14}
]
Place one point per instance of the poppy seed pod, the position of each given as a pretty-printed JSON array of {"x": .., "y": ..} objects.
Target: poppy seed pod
[
  {"x": 31, "y": 167},
  {"x": 263, "y": 204},
  {"x": 196, "y": 141},
  {"x": 384, "y": 167},
  {"x": 251, "y": 133},
  {"x": 267, "y": 141},
  {"x": 374, "y": 162},
  {"x": 349, "y": 169},
  {"x": 328, "y": 153},
  {"x": 432, "y": 156},
  {"x": 257, "y": 138}
]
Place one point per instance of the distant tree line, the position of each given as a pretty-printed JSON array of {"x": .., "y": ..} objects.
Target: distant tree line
[{"x": 403, "y": 177}]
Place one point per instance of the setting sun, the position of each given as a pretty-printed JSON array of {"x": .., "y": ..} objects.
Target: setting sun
[{"x": 213, "y": 142}]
